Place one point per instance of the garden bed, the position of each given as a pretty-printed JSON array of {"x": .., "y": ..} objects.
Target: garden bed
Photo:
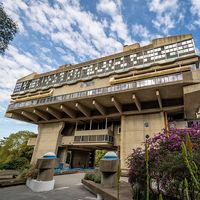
[
  {"x": 168, "y": 166},
  {"x": 12, "y": 182},
  {"x": 109, "y": 193}
]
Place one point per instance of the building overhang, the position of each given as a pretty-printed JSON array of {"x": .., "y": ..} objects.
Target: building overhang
[{"x": 149, "y": 99}]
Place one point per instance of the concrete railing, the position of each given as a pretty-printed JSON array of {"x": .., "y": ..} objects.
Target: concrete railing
[
  {"x": 93, "y": 132},
  {"x": 67, "y": 140}
]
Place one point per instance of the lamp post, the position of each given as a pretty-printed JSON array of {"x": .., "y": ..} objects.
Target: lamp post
[{"x": 147, "y": 165}]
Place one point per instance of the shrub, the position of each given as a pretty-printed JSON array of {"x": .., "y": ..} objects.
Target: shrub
[
  {"x": 19, "y": 163},
  {"x": 89, "y": 176},
  {"x": 96, "y": 177},
  {"x": 30, "y": 172},
  {"x": 167, "y": 168},
  {"x": 98, "y": 156}
]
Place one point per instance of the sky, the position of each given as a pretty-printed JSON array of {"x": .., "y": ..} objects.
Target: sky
[{"x": 53, "y": 33}]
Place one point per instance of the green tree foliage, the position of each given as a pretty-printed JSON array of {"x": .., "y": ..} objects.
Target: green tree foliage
[
  {"x": 98, "y": 155},
  {"x": 8, "y": 28},
  {"x": 14, "y": 152}
]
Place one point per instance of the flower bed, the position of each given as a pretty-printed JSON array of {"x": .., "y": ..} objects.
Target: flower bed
[{"x": 169, "y": 173}]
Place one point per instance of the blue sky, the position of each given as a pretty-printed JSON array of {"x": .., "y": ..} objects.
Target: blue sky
[{"x": 53, "y": 33}]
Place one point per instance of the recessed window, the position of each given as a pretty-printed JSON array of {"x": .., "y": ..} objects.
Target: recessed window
[{"x": 87, "y": 84}]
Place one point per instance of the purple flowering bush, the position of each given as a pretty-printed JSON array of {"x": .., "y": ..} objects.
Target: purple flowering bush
[{"x": 167, "y": 169}]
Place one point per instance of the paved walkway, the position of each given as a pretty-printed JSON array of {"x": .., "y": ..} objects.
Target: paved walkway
[{"x": 67, "y": 187}]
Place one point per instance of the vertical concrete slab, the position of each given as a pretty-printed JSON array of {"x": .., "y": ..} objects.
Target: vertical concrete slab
[
  {"x": 48, "y": 139},
  {"x": 134, "y": 128},
  {"x": 62, "y": 155}
]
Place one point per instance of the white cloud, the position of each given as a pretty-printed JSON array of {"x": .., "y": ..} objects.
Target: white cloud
[
  {"x": 108, "y": 6},
  {"x": 166, "y": 14},
  {"x": 195, "y": 11},
  {"x": 160, "y": 6},
  {"x": 60, "y": 50},
  {"x": 197, "y": 51},
  {"x": 164, "y": 22},
  {"x": 69, "y": 59},
  {"x": 117, "y": 24},
  {"x": 13, "y": 10},
  {"x": 45, "y": 50},
  {"x": 77, "y": 30},
  {"x": 14, "y": 65},
  {"x": 143, "y": 33},
  {"x": 2, "y": 109},
  {"x": 63, "y": 23},
  {"x": 140, "y": 30},
  {"x": 196, "y": 7}
]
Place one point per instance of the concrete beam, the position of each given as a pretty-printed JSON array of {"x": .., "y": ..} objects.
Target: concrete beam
[
  {"x": 17, "y": 116},
  {"x": 83, "y": 109},
  {"x": 117, "y": 114},
  {"x": 68, "y": 111},
  {"x": 41, "y": 114},
  {"x": 137, "y": 102},
  {"x": 159, "y": 98},
  {"x": 99, "y": 107},
  {"x": 54, "y": 112},
  {"x": 30, "y": 116},
  {"x": 117, "y": 104}
]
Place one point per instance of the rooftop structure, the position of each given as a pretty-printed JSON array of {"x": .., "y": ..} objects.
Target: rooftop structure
[{"x": 111, "y": 102}]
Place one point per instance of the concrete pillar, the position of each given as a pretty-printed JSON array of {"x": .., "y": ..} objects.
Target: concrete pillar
[
  {"x": 109, "y": 165},
  {"x": 134, "y": 128},
  {"x": 45, "y": 166},
  {"x": 62, "y": 156},
  {"x": 48, "y": 139}
]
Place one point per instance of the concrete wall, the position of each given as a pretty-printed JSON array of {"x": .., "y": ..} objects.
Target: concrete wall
[
  {"x": 116, "y": 136},
  {"x": 97, "y": 83},
  {"x": 134, "y": 129},
  {"x": 48, "y": 139}
]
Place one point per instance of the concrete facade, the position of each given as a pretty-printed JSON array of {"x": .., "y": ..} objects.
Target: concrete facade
[
  {"x": 137, "y": 127},
  {"x": 111, "y": 102},
  {"x": 49, "y": 136}
]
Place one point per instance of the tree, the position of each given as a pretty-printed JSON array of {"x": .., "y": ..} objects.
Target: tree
[
  {"x": 98, "y": 156},
  {"x": 8, "y": 28},
  {"x": 14, "y": 152}
]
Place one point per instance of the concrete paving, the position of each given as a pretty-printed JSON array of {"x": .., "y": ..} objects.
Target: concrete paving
[{"x": 67, "y": 187}]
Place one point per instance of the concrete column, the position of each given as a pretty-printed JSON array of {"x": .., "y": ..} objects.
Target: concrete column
[
  {"x": 48, "y": 139},
  {"x": 62, "y": 155},
  {"x": 108, "y": 167},
  {"x": 45, "y": 166},
  {"x": 134, "y": 128}
]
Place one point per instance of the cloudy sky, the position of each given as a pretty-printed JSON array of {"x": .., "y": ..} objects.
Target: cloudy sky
[{"x": 53, "y": 33}]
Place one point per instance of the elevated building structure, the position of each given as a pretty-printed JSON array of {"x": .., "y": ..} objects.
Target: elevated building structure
[{"x": 112, "y": 102}]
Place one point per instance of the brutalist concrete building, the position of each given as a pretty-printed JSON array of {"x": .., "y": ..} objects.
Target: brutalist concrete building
[{"x": 111, "y": 102}]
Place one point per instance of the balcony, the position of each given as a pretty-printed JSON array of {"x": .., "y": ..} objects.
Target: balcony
[
  {"x": 89, "y": 137},
  {"x": 94, "y": 139},
  {"x": 102, "y": 136}
]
